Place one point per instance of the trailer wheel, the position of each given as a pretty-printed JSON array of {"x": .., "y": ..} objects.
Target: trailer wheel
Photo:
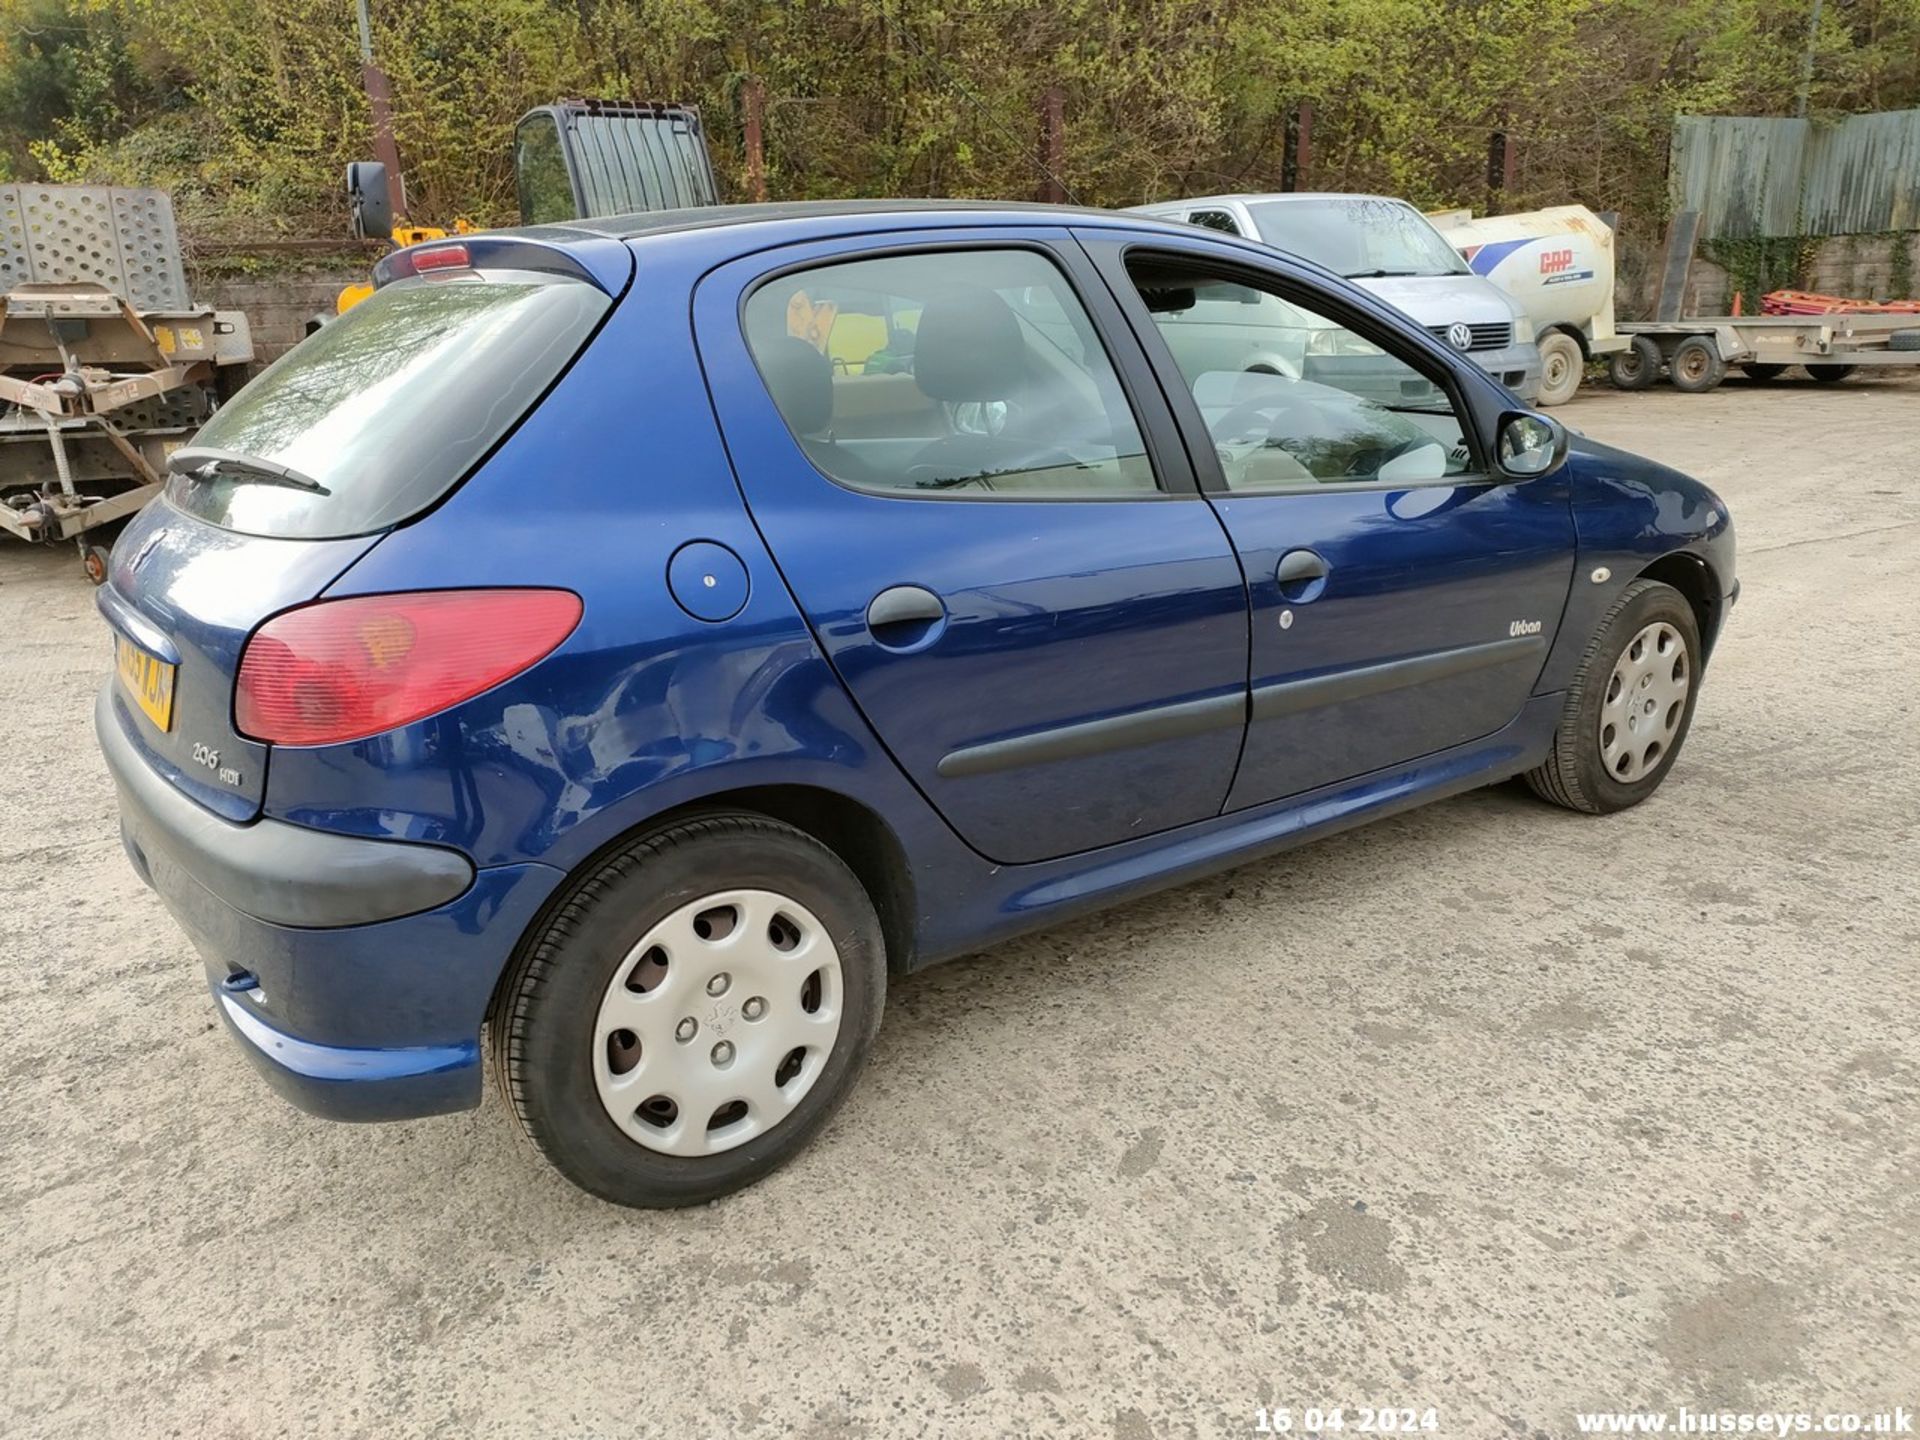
[
  {"x": 1904, "y": 340},
  {"x": 1637, "y": 366},
  {"x": 93, "y": 559},
  {"x": 1696, "y": 366},
  {"x": 1760, "y": 371},
  {"x": 1831, "y": 374},
  {"x": 1563, "y": 365}
]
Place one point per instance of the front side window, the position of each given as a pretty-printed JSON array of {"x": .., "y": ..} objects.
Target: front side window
[
  {"x": 1362, "y": 237},
  {"x": 973, "y": 372},
  {"x": 1294, "y": 399}
]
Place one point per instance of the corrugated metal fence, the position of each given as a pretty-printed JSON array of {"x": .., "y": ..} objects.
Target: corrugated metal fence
[{"x": 1752, "y": 176}]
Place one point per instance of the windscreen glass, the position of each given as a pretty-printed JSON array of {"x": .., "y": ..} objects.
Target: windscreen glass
[
  {"x": 385, "y": 409},
  {"x": 1358, "y": 236}
]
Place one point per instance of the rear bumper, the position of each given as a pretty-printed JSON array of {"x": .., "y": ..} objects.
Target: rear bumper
[
  {"x": 372, "y": 1018},
  {"x": 286, "y": 874}
]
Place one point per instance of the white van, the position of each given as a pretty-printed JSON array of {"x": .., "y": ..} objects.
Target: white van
[{"x": 1383, "y": 245}]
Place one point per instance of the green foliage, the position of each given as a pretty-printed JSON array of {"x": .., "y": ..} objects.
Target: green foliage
[
  {"x": 250, "y": 109},
  {"x": 1757, "y": 264}
]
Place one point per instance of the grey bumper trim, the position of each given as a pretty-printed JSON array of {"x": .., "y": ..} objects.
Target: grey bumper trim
[{"x": 283, "y": 874}]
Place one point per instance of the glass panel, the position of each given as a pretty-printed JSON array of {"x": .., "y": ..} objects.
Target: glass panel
[
  {"x": 1359, "y": 236},
  {"x": 974, "y": 371},
  {"x": 1293, "y": 399},
  {"x": 540, "y": 170},
  {"x": 390, "y": 405}
]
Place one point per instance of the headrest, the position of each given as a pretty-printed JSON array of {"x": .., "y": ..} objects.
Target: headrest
[
  {"x": 800, "y": 379},
  {"x": 968, "y": 347}
]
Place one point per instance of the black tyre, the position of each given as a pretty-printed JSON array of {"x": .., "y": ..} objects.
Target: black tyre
[
  {"x": 1831, "y": 374},
  {"x": 1904, "y": 340},
  {"x": 1696, "y": 366},
  {"x": 1637, "y": 366},
  {"x": 1630, "y": 705},
  {"x": 94, "y": 559},
  {"x": 694, "y": 1012},
  {"x": 1563, "y": 365},
  {"x": 1761, "y": 372}
]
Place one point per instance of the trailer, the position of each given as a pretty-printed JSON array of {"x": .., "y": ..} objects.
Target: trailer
[
  {"x": 1697, "y": 351},
  {"x": 106, "y": 365}
]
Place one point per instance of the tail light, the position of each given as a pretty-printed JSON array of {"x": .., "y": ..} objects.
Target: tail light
[{"x": 346, "y": 669}]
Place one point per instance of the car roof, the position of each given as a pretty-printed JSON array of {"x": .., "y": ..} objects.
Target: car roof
[
  {"x": 797, "y": 212},
  {"x": 1264, "y": 197}
]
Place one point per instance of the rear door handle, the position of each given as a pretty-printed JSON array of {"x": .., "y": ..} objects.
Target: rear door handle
[
  {"x": 903, "y": 611},
  {"x": 1302, "y": 575}
]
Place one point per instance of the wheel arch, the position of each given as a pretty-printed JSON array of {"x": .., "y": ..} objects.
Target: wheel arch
[
  {"x": 854, "y": 831},
  {"x": 1693, "y": 578},
  {"x": 1577, "y": 335}
]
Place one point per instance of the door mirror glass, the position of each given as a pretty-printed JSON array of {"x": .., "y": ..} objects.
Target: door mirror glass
[{"x": 1530, "y": 445}]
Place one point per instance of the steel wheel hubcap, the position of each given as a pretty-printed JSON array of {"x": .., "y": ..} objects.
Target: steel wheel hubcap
[
  {"x": 718, "y": 1022},
  {"x": 1645, "y": 700}
]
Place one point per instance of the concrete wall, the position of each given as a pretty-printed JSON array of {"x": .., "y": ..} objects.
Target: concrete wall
[
  {"x": 276, "y": 305},
  {"x": 1858, "y": 267}
]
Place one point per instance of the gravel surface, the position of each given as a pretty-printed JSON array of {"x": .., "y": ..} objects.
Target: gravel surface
[{"x": 1489, "y": 1108}]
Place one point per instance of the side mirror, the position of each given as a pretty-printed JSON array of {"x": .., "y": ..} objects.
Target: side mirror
[
  {"x": 368, "y": 199},
  {"x": 1530, "y": 445}
]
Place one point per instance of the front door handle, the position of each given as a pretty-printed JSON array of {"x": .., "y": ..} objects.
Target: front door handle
[
  {"x": 904, "y": 615},
  {"x": 1302, "y": 575}
]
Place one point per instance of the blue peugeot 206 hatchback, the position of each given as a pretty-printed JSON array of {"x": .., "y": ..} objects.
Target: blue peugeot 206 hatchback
[{"x": 615, "y": 650}]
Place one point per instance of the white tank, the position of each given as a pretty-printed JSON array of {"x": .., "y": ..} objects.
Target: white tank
[{"x": 1558, "y": 263}]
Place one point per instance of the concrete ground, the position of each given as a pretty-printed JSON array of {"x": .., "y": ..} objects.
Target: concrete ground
[{"x": 1489, "y": 1108}]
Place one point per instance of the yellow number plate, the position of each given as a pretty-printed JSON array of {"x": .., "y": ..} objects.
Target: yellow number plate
[{"x": 149, "y": 680}]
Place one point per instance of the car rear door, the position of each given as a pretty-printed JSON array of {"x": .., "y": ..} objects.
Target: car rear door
[
  {"x": 1403, "y": 596},
  {"x": 991, "y": 526}
]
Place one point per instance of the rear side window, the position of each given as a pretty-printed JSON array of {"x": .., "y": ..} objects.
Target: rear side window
[
  {"x": 389, "y": 406},
  {"x": 974, "y": 372}
]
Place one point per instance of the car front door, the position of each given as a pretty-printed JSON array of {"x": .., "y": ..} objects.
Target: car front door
[
  {"x": 1403, "y": 595},
  {"x": 979, "y": 501}
]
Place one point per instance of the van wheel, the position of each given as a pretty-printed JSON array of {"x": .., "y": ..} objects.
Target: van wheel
[
  {"x": 694, "y": 1013},
  {"x": 1637, "y": 366},
  {"x": 1563, "y": 365},
  {"x": 1630, "y": 705}
]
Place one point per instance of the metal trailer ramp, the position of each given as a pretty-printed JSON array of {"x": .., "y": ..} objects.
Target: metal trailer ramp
[{"x": 106, "y": 364}]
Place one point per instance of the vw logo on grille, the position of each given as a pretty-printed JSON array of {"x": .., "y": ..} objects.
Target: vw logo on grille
[{"x": 1459, "y": 336}]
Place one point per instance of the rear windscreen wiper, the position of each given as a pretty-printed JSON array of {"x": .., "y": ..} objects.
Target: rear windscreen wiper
[{"x": 197, "y": 462}]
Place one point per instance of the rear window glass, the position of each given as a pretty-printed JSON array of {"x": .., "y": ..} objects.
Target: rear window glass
[{"x": 390, "y": 405}]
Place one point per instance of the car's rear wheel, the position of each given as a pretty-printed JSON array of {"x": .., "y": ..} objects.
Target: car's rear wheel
[
  {"x": 694, "y": 1012},
  {"x": 1630, "y": 705},
  {"x": 1563, "y": 364}
]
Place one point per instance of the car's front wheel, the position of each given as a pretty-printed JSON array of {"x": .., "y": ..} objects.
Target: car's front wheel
[
  {"x": 1630, "y": 705},
  {"x": 694, "y": 1013}
]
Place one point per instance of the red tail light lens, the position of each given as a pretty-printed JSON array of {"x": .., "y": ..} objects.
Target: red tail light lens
[{"x": 346, "y": 669}]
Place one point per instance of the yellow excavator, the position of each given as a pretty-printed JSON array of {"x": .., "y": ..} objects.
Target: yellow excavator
[{"x": 572, "y": 160}]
